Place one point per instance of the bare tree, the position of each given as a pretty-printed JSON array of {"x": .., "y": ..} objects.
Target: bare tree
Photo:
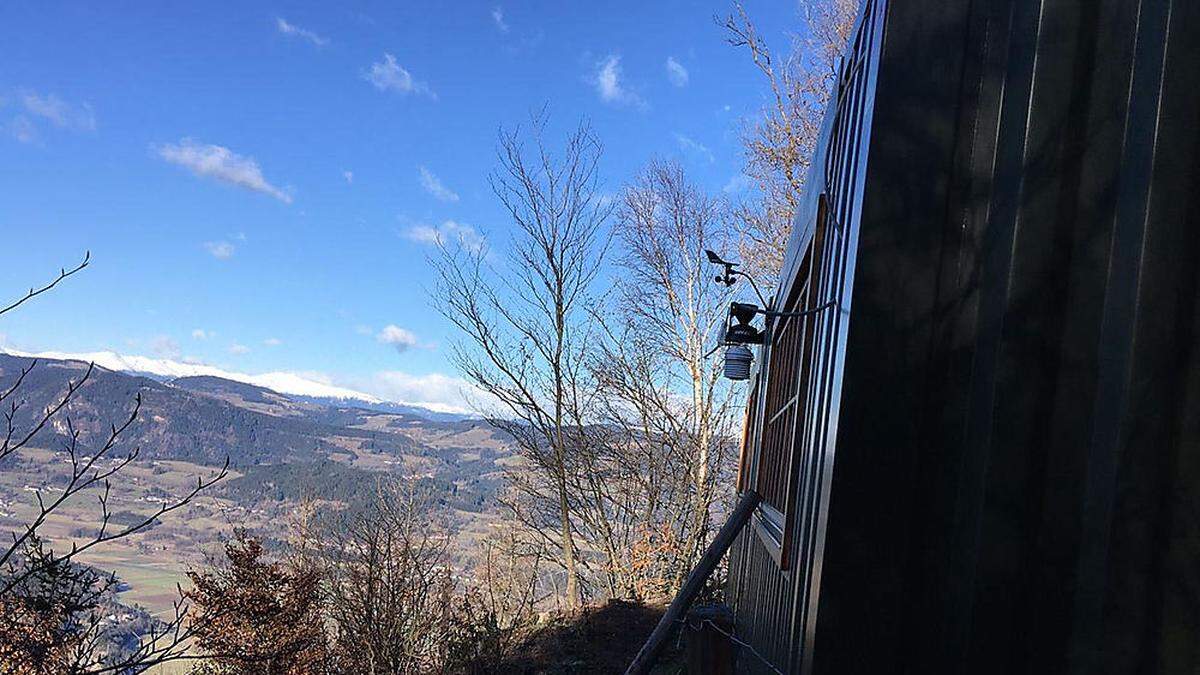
[
  {"x": 779, "y": 144},
  {"x": 49, "y": 619},
  {"x": 389, "y": 590},
  {"x": 525, "y": 324},
  {"x": 660, "y": 391}
]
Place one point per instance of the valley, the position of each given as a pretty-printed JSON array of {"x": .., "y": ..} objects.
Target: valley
[{"x": 286, "y": 453}]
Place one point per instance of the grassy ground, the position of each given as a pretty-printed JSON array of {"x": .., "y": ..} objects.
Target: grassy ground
[
  {"x": 150, "y": 562},
  {"x": 151, "y": 584}
]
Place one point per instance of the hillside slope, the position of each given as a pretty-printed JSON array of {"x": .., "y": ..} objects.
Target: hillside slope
[{"x": 205, "y": 419}]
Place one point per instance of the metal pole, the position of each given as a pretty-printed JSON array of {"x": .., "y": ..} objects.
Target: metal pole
[{"x": 695, "y": 583}]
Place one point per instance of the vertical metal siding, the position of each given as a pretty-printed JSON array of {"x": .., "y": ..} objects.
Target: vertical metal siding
[
  {"x": 1017, "y": 475},
  {"x": 776, "y": 607}
]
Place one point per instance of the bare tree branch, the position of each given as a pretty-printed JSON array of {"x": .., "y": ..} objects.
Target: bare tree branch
[
  {"x": 49, "y": 617},
  {"x": 62, "y": 274}
]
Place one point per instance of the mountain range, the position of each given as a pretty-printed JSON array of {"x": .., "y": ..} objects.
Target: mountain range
[
  {"x": 290, "y": 384},
  {"x": 199, "y": 417}
]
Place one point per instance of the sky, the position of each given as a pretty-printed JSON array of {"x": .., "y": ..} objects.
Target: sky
[{"x": 259, "y": 184}]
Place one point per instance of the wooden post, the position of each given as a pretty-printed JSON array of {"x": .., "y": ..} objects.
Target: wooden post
[
  {"x": 695, "y": 583},
  {"x": 710, "y": 651}
]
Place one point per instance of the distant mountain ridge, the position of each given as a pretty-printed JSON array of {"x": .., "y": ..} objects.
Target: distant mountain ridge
[
  {"x": 204, "y": 419},
  {"x": 290, "y": 384}
]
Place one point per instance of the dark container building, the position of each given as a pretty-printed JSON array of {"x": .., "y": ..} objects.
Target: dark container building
[{"x": 985, "y": 458}]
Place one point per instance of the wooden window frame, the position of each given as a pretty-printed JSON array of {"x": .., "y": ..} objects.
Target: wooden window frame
[{"x": 776, "y": 517}]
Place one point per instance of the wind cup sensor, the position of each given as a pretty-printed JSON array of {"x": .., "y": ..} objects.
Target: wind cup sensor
[{"x": 737, "y": 332}]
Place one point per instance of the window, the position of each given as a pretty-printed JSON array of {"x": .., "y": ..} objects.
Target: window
[
  {"x": 790, "y": 392},
  {"x": 746, "y": 456}
]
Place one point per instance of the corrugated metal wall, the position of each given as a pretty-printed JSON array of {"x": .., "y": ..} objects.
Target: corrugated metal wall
[
  {"x": 773, "y": 583},
  {"x": 1017, "y": 474}
]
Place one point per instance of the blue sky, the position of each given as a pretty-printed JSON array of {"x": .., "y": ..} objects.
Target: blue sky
[{"x": 258, "y": 183}]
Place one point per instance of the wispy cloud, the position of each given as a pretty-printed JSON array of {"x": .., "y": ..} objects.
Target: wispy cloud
[
  {"x": 676, "y": 73},
  {"x": 738, "y": 183},
  {"x": 388, "y": 75},
  {"x": 59, "y": 113},
  {"x": 272, "y": 342},
  {"x": 498, "y": 19},
  {"x": 201, "y": 334},
  {"x": 694, "y": 147},
  {"x": 433, "y": 185},
  {"x": 34, "y": 108},
  {"x": 448, "y": 232},
  {"x": 349, "y": 176},
  {"x": 400, "y": 338},
  {"x": 296, "y": 31},
  {"x": 164, "y": 347},
  {"x": 434, "y": 391},
  {"x": 22, "y": 129},
  {"x": 221, "y": 250},
  {"x": 238, "y": 349},
  {"x": 223, "y": 164},
  {"x": 608, "y": 84}
]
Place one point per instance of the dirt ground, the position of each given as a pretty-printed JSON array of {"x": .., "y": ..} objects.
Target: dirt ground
[{"x": 600, "y": 639}]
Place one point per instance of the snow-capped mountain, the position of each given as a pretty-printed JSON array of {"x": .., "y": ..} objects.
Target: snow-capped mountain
[{"x": 167, "y": 370}]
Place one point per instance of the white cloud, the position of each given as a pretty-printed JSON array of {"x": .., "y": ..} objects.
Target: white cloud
[
  {"x": 221, "y": 163},
  {"x": 676, "y": 73},
  {"x": 201, "y": 334},
  {"x": 272, "y": 342},
  {"x": 165, "y": 347},
  {"x": 498, "y": 18},
  {"x": 434, "y": 391},
  {"x": 387, "y": 75},
  {"x": 238, "y": 349},
  {"x": 23, "y": 129},
  {"x": 694, "y": 147},
  {"x": 433, "y": 185},
  {"x": 448, "y": 232},
  {"x": 221, "y": 250},
  {"x": 400, "y": 338},
  {"x": 738, "y": 183},
  {"x": 349, "y": 176},
  {"x": 59, "y": 113},
  {"x": 607, "y": 81},
  {"x": 296, "y": 31}
]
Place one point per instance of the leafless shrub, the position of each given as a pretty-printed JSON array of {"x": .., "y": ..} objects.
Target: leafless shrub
[{"x": 389, "y": 591}]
